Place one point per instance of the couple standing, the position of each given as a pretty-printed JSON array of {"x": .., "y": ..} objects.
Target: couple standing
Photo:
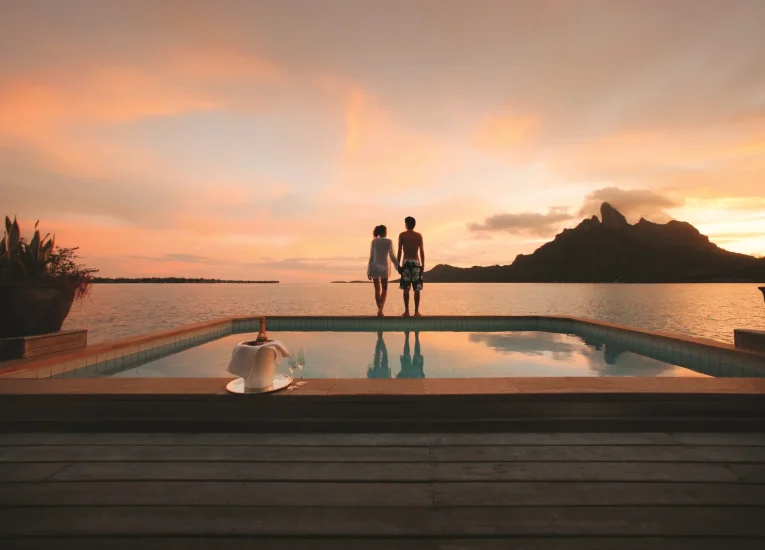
[
  {"x": 380, "y": 257},
  {"x": 411, "y": 367}
]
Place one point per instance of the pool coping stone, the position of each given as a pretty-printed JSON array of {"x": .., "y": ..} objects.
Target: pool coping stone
[{"x": 395, "y": 387}]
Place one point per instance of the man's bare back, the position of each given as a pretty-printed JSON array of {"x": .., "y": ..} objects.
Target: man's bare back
[{"x": 410, "y": 243}]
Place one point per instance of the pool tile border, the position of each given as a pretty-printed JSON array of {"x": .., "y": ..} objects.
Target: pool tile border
[
  {"x": 351, "y": 388},
  {"x": 707, "y": 356}
]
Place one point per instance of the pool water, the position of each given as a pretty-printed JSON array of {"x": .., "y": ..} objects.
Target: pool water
[{"x": 425, "y": 355}]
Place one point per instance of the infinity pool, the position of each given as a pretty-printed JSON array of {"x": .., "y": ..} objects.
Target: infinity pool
[{"x": 428, "y": 354}]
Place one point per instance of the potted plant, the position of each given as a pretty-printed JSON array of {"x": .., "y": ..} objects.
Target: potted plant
[{"x": 38, "y": 283}]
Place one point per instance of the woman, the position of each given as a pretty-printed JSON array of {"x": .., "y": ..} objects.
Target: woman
[
  {"x": 378, "y": 270},
  {"x": 379, "y": 367}
]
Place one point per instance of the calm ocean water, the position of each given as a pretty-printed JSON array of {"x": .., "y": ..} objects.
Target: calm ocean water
[{"x": 702, "y": 310}]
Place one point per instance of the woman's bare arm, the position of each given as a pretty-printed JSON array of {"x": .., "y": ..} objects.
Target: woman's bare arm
[{"x": 393, "y": 257}]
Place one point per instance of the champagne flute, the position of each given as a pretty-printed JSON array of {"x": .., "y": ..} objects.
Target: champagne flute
[
  {"x": 301, "y": 364},
  {"x": 292, "y": 366}
]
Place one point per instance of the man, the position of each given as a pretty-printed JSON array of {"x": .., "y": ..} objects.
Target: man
[
  {"x": 410, "y": 244},
  {"x": 412, "y": 367}
]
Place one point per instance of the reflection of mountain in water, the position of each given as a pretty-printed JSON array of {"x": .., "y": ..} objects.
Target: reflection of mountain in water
[
  {"x": 612, "y": 349},
  {"x": 605, "y": 358},
  {"x": 610, "y": 365}
]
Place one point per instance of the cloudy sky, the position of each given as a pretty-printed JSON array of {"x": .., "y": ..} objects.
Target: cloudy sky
[{"x": 265, "y": 139}]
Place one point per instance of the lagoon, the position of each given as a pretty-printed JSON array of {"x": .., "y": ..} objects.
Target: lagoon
[{"x": 699, "y": 310}]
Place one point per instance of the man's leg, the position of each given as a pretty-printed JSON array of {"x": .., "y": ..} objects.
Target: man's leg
[
  {"x": 406, "y": 302},
  {"x": 416, "y": 303}
]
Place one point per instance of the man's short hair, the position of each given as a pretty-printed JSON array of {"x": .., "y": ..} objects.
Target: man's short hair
[{"x": 410, "y": 222}]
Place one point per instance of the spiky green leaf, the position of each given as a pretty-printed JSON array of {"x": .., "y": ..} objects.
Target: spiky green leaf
[
  {"x": 34, "y": 245},
  {"x": 14, "y": 235}
]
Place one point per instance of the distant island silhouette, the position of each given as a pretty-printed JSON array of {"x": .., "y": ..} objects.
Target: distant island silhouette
[
  {"x": 349, "y": 282},
  {"x": 610, "y": 249},
  {"x": 175, "y": 280}
]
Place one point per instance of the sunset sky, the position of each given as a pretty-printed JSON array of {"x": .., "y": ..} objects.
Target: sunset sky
[{"x": 265, "y": 139}]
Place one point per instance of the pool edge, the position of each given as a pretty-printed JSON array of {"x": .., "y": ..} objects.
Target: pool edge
[{"x": 119, "y": 354}]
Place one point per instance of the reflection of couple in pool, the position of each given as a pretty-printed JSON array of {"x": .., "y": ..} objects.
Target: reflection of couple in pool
[{"x": 411, "y": 366}]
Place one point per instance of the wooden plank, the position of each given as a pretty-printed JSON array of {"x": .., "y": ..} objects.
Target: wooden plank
[
  {"x": 728, "y": 439},
  {"x": 78, "y": 339},
  {"x": 339, "y": 440},
  {"x": 258, "y": 439},
  {"x": 215, "y": 493},
  {"x": 58, "y": 348},
  {"x": 619, "y": 521},
  {"x": 397, "y": 471},
  {"x": 605, "y": 453},
  {"x": 548, "y": 453},
  {"x": 224, "y": 409},
  {"x": 554, "y": 439},
  {"x": 29, "y": 471},
  {"x": 600, "y": 543},
  {"x": 287, "y": 543},
  {"x": 749, "y": 472},
  {"x": 220, "y": 543},
  {"x": 66, "y": 453},
  {"x": 597, "y": 494},
  {"x": 697, "y": 521},
  {"x": 580, "y": 471},
  {"x": 254, "y": 471}
]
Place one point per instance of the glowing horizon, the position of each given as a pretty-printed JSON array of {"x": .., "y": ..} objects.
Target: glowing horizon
[{"x": 263, "y": 140}]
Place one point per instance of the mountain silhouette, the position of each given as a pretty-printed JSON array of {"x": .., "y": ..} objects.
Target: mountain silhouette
[{"x": 610, "y": 250}]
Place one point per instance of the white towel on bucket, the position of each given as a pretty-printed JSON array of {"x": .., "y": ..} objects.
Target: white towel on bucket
[{"x": 244, "y": 358}]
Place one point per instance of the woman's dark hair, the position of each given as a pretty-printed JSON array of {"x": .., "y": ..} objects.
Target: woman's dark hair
[{"x": 379, "y": 231}]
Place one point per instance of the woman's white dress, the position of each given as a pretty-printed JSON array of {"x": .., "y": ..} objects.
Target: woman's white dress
[{"x": 380, "y": 258}]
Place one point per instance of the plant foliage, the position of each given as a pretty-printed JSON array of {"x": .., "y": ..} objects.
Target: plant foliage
[{"x": 39, "y": 261}]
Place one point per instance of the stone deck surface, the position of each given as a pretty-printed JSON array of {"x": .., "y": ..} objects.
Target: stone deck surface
[{"x": 533, "y": 491}]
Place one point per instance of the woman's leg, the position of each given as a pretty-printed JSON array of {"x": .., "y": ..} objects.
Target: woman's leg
[
  {"x": 383, "y": 294},
  {"x": 377, "y": 294}
]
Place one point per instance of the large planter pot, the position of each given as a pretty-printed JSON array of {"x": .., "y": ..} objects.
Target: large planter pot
[
  {"x": 762, "y": 289},
  {"x": 29, "y": 310}
]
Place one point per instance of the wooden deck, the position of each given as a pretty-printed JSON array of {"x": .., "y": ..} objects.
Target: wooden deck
[{"x": 533, "y": 491}]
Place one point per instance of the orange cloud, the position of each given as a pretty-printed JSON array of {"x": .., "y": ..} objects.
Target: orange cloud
[
  {"x": 108, "y": 95},
  {"x": 353, "y": 121},
  {"x": 381, "y": 152},
  {"x": 506, "y": 132},
  {"x": 635, "y": 154}
]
